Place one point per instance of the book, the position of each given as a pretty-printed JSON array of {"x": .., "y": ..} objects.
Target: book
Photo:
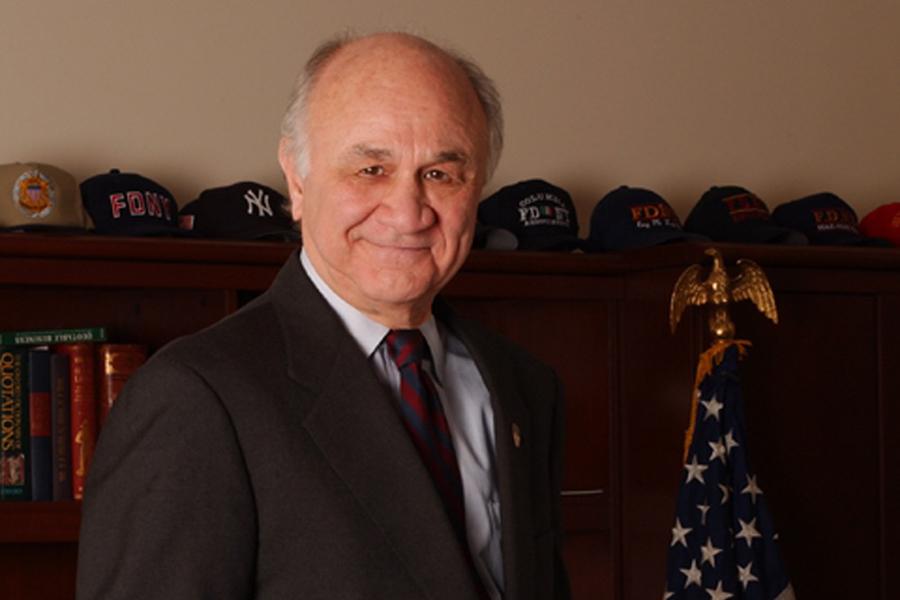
[
  {"x": 52, "y": 336},
  {"x": 117, "y": 363},
  {"x": 83, "y": 410},
  {"x": 39, "y": 423},
  {"x": 14, "y": 430},
  {"x": 60, "y": 428}
]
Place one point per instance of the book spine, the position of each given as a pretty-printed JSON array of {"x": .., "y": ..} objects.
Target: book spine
[
  {"x": 117, "y": 363},
  {"x": 52, "y": 336},
  {"x": 14, "y": 431},
  {"x": 39, "y": 417},
  {"x": 60, "y": 427},
  {"x": 83, "y": 411}
]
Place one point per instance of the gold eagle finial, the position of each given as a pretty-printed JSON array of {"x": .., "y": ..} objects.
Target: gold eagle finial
[{"x": 750, "y": 284}]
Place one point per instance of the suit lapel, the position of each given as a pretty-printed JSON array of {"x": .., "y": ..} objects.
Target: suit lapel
[
  {"x": 513, "y": 461},
  {"x": 355, "y": 424}
]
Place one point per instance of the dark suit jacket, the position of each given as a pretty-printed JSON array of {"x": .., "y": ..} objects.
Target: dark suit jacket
[{"x": 261, "y": 458}]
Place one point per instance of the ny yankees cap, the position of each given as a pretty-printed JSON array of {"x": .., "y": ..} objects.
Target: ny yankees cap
[
  {"x": 733, "y": 214},
  {"x": 245, "y": 210},
  {"x": 540, "y": 215},
  {"x": 883, "y": 222},
  {"x": 39, "y": 197},
  {"x": 129, "y": 204},
  {"x": 629, "y": 217},
  {"x": 825, "y": 219}
]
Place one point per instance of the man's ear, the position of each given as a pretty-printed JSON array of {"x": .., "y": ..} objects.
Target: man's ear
[{"x": 292, "y": 178}]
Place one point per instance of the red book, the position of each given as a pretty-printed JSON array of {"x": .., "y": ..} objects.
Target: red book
[
  {"x": 83, "y": 419},
  {"x": 117, "y": 363}
]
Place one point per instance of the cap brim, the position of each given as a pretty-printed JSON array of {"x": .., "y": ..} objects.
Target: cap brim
[
  {"x": 488, "y": 237},
  {"x": 150, "y": 231},
  {"x": 647, "y": 239},
  {"x": 848, "y": 239},
  {"x": 552, "y": 243},
  {"x": 761, "y": 232}
]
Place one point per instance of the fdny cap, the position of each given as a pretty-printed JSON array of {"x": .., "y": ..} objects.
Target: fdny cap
[
  {"x": 245, "y": 210},
  {"x": 629, "y": 217},
  {"x": 825, "y": 219},
  {"x": 538, "y": 214},
  {"x": 129, "y": 204},
  {"x": 883, "y": 222},
  {"x": 38, "y": 197},
  {"x": 733, "y": 214}
]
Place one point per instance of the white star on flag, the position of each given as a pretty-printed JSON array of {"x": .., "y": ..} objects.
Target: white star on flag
[
  {"x": 692, "y": 575},
  {"x": 725, "y": 492},
  {"x": 709, "y": 553},
  {"x": 718, "y": 451},
  {"x": 729, "y": 441},
  {"x": 695, "y": 470},
  {"x": 679, "y": 534},
  {"x": 713, "y": 407},
  {"x": 703, "y": 508},
  {"x": 752, "y": 488},
  {"x": 748, "y": 531},
  {"x": 718, "y": 593},
  {"x": 745, "y": 575}
]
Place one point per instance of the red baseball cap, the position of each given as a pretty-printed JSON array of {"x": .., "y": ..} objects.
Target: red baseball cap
[{"x": 883, "y": 222}]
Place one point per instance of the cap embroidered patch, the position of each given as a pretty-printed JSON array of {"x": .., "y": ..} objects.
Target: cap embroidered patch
[{"x": 37, "y": 196}]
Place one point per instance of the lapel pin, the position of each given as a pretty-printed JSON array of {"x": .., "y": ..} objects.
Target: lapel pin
[{"x": 517, "y": 435}]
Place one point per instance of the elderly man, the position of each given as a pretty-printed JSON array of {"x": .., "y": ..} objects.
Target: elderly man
[{"x": 345, "y": 435}]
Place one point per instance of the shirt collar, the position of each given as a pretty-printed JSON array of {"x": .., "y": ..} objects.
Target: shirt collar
[{"x": 368, "y": 333}]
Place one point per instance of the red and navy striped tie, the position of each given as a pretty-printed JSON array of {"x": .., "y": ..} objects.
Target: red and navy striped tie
[{"x": 424, "y": 420}]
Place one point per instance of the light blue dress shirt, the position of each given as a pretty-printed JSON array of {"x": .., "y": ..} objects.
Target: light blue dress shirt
[{"x": 467, "y": 405}]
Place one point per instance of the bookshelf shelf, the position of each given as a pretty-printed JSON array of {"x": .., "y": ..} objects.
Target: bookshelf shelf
[{"x": 39, "y": 522}]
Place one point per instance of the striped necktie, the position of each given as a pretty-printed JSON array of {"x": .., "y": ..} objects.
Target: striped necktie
[{"x": 424, "y": 420}]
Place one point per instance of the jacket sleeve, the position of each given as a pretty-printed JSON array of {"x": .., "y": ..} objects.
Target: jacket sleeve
[{"x": 168, "y": 509}]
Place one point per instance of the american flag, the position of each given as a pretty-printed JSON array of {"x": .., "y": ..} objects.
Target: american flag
[{"x": 724, "y": 543}]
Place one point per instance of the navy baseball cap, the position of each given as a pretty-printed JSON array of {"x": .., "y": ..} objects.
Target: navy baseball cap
[
  {"x": 629, "y": 217},
  {"x": 825, "y": 219},
  {"x": 540, "y": 215},
  {"x": 244, "y": 210},
  {"x": 732, "y": 214},
  {"x": 129, "y": 204}
]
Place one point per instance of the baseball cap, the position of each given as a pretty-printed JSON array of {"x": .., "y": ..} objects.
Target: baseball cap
[
  {"x": 883, "y": 222},
  {"x": 244, "y": 210},
  {"x": 630, "y": 217},
  {"x": 129, "y": 204},
  {"x": 39, "y": 197},
  {"x": 540, "y": 215},
  {"x": 733, "y": 214},
  {"x": 825, "y": 219}
]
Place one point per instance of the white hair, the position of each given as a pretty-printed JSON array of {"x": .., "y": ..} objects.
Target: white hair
[{"x": 294, "y": 126}]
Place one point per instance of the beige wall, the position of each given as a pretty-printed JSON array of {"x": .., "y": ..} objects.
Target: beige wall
[{"x": 785, "y": 98}]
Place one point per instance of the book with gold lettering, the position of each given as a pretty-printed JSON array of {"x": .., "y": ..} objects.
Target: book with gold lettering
[
  {"x": 15, "y": 452},
  {"x": 39, "y": 423},
  {"x": 83, "y": 413},
  {"x": 60, "y": 427},
  {"x": 117, "y": 362}
]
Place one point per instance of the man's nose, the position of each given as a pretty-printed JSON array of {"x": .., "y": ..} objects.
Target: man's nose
[{"x": 405, "y": 206}]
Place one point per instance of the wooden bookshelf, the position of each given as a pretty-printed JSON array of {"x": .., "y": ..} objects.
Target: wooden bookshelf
[{"x": 828, "y": 372}]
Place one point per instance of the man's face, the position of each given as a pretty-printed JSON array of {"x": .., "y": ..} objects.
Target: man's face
[{"x": 397, "y": 146}]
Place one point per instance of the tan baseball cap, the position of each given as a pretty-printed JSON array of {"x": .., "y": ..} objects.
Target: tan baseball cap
[{"x": 36, "y": 196}]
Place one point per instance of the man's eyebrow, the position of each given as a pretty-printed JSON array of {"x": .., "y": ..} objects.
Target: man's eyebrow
[
  {"x": 371, "y": 152},
  {"x": 375, "y": 153},
  {"x": 456, "y": 156}
]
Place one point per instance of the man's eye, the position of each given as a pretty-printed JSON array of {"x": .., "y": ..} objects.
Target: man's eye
[
  {"x": 372, "y": 171},
  {"x": 436, "y": 175}
]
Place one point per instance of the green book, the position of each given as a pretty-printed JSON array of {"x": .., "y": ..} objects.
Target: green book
[
  {"x": 15, "y": 432},
  {"x": 52, "y": 336}
]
